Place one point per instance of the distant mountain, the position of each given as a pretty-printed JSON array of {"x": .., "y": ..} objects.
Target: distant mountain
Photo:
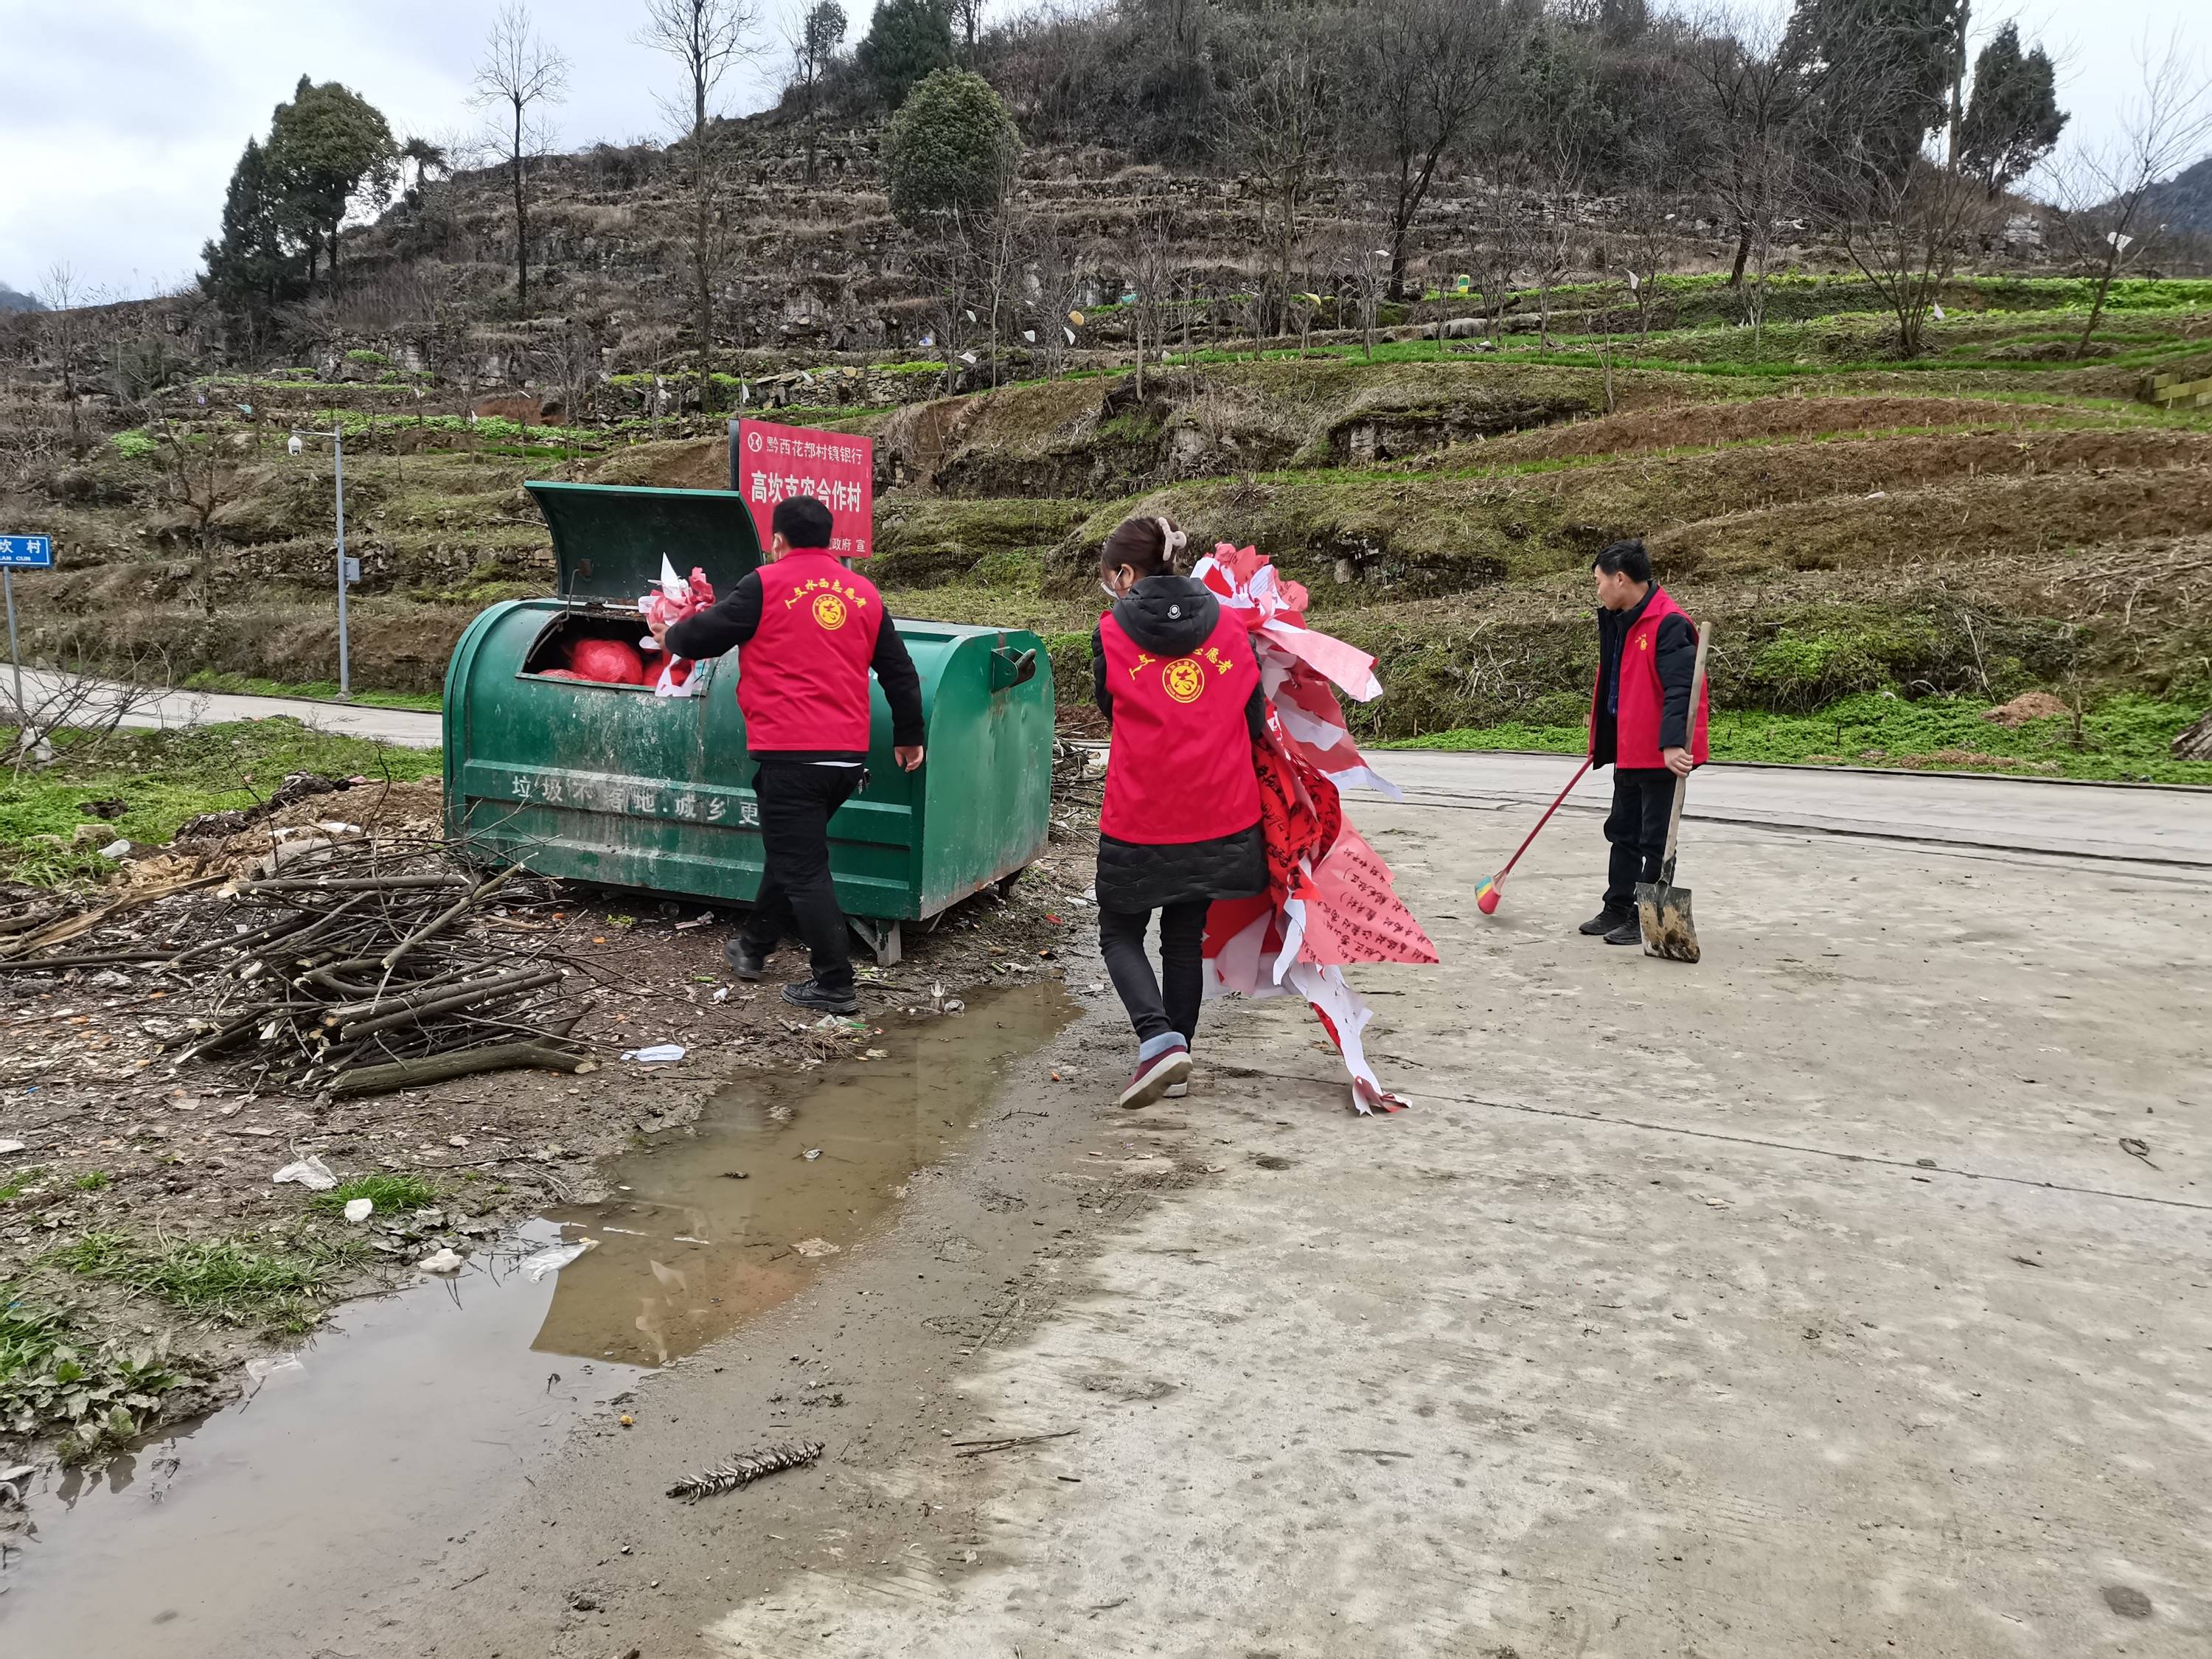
[
  {"x": 2184, "y": 201},
  {"x": 11, "y": 300}
]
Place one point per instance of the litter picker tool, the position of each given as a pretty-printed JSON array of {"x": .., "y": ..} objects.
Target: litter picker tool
[
  {"x": 1487, "y": 896},
  {"x": 1662, "y": 909}
]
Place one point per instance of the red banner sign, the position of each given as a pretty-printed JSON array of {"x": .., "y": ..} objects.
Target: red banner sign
[{"x": 774, "y": 462}]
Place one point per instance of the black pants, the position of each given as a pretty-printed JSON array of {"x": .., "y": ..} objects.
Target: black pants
[
  {"x": 796, "y": 799},
  {"x": 1642, "y": 801},
  {"x": 1182, "y": 932}
]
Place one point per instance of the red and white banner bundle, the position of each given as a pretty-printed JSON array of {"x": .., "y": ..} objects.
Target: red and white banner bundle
[{"x": 1330, "y": 901}]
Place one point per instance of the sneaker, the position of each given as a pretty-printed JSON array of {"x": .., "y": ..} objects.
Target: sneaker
[
  {"x": 746, "y": 962},
  {"x": 1629, "y": 933},
  {"x": 805, "y": 994},
  {"x": 1175, "y": 1091},
  {"x": 1606, "y": 920},
  {"x": 1155, "y": 1077}
]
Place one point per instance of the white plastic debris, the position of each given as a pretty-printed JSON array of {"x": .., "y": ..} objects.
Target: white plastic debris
[
  {"x": 659, "y": 1053},
  {"x": 811, "y": 1247},
  {"x": 7, "y": 1146},
  {"x": 310, "y": 1172},
  {"x": 813, "y": 1153},
  {"x": 441, "y": 1261},
  {"x": 553, "y": 1258},
  {"x": 261, "y": 1370},
  {"x": 115, "y": 850},
  {"x": 360, "y": 1209},
  {"x": 722, "y": 995}
]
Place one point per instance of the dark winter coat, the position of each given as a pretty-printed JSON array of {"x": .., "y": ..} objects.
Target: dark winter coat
[{"x": 1135, "y": 877}]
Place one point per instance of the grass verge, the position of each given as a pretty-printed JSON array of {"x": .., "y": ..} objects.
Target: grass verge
[
  {"x": 163, "y": 778},
  {"x": 277, "y": 1284},
  {"x": 2124, "y": 739},
  {"x": 247, "y": 685}
]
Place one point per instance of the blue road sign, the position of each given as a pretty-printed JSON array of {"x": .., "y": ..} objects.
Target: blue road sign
[{"x": 27, "y": 552}]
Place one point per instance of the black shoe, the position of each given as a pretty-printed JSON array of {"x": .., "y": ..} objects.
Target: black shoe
[
  {"x": 746, "y": 962},
  {"x": 807, "y": 994},
  {"x": 1609, "y": 919},
  {"x": 1629, "y": 933}
]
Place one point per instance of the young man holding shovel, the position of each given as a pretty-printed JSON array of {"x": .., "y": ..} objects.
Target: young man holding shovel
[{"x": 1640, "y": 725}]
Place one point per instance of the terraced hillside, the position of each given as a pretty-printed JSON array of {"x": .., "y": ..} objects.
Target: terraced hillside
[{"x": 1935, "y": 537}]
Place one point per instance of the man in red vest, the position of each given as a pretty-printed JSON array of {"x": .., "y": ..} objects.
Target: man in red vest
[
  {"x": 811, "y": 631},
  {"x": 1640, "y": 725}
]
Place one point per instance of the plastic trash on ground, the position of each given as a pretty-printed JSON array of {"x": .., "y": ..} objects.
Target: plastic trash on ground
[
  {"x": 658, "y": 1053},
  {"x": 309, "y": 1172},
  {"x": 441, "y": 1261},
  {"x": 553, "y": 1258},
  {"x": 360, "y": 1209}
]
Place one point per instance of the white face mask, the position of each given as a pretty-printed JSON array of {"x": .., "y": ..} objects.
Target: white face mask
[{"x": 1110, "y": 591}]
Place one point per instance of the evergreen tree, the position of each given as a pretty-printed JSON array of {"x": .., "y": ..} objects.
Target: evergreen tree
[
  {"x": 2012, "y": 119},
  {"x": 326, "y": 146},
  {"x": 908, "y": 42},
  {"x": 952, "y": 147},
  {"x": 251, "y": 266},
  {"x": 1882, "y": 71}
]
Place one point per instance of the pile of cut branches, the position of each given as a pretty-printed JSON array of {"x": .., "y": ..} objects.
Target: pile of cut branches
[{"x": 366, "y": 966}]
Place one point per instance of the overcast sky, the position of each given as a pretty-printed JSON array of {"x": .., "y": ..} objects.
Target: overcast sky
[{"x": 120, "y": 120}]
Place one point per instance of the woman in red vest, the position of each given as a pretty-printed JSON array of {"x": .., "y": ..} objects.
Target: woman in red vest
[
  {"x": 1174, "y": 674},
  {"x": 1641, "y": 725}
]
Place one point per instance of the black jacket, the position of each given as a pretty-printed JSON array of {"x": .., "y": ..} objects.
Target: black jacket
[
  {"x": 734, "y": 618},
  {"x": 1171, "y": 616},
  {"x": 1677, "y": 659}
]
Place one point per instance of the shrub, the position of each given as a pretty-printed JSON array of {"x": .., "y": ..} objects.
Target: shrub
[{"x": 952, "y": 147}]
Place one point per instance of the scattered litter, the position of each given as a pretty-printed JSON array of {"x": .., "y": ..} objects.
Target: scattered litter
[
  {"x": 1096, "y": 988},
  {"x": 2135, "y": 1148},
  {"x": 722, "y": 995},
  {"x": 115, "y": 850},
  {"x": 954, "y": 1006},
  {"x": 441, "y": 1261},
  {"x": 627, "y": 1420},
  {"x": 744, "y": 1471},
  {"x": 7, "y": 1146},
  {"x": 310, "y": 1172},
  {"x": 814, "y": 1247},
  {"x": 360, "y": 1209},
  {"x": 843, "y": 1025},
  {"x": 553, "y": 1258},
  {"x": 736, "y": 1175},
  {"x": 659, "y": 1053},
  {"x": 875, "y": 1053},
  {"x": 812, "y": 1153},
  {"x": 262, "y": 1370},
  {"x": 12, "y": 1482}
]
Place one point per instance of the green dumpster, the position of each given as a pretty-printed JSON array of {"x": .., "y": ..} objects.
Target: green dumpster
[{"x": 612, "y": 784}]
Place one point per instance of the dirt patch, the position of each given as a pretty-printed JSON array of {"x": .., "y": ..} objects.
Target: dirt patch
[
  {"x": 120, "y": 1142},
  {"x": 2028, "y": 706}
]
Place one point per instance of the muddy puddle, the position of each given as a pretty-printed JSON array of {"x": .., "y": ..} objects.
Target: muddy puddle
[{"x": 352, "y": 1462}]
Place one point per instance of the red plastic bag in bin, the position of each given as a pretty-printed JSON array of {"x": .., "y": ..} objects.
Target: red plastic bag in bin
[{"x": 672, "y": 601}]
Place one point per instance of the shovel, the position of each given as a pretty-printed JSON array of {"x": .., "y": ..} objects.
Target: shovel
[{"x": 1662, "y": 909}]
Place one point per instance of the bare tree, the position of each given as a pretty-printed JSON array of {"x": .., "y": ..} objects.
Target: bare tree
[
  {"x": 967, "y": 16},
  {"x": 1426, "y": 68},
  {"x": 2105, "y": 189},
  {"x": 198, "y": 477},
  {"x": 520, "y": 75},
  {"x": 1370, "y": 262},
  {"x": 61, "y": 292},
  {"x": 1059, "y": 271},
  {"x": 1748, "y": 89},
  {"x": 1282, "y": 129},
  {"x": 1902, "y": 235},
  {"x": 708, "y": 38},
  {"x": 814, "y": 46},
  {"x": 1149, "y": 266}
]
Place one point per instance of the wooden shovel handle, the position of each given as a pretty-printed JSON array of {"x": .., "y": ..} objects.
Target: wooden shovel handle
[{"x": 1682, "y": 785}]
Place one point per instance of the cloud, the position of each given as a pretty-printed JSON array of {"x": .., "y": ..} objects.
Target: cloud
[{"x": 122, "y": 119}]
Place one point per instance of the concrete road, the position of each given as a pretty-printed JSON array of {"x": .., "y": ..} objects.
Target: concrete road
[
  {"x": 1849, "y": 1293},
  {"x": 174, "y": 710}
]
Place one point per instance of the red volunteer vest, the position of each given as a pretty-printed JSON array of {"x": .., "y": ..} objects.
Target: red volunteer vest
[
  {"x": 803, "y": 677},
  {"x": 1181, "y": 766},
  {"x": 1643, "y": 701}
]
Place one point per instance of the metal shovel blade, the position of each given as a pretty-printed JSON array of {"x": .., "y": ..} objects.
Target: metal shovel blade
[{"x": 1663, "y": 910}]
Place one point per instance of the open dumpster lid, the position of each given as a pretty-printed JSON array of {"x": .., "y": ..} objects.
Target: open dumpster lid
[{"x": 609, "y": 539}]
